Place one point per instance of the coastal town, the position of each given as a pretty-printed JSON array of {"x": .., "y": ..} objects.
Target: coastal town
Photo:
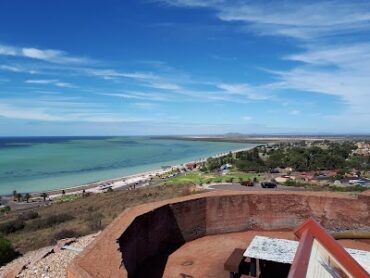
[
  {"x": 185, "y": 139},
  {"x": 297, "y": 166},
  {"x": 353, "y": 175}
]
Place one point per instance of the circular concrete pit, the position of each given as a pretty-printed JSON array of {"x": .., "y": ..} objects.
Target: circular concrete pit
[{"x": 151, "y": 240}]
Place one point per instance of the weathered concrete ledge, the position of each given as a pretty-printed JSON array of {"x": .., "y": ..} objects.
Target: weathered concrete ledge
[{"x": 140, "y": 239}]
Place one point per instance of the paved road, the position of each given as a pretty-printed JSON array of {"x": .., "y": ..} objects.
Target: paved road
[{"x": 257, "y": 187}]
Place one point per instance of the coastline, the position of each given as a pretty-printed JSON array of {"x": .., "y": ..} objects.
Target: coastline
[{"x": 125, "y": 181}]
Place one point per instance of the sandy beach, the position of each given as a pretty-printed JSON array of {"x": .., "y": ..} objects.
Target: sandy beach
[{"x": 139, "y": 180}]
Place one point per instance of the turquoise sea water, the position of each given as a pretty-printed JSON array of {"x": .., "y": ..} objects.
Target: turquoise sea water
[{"x": 45, "y": 163}]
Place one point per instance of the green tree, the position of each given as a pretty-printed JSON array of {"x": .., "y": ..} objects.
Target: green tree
[
  {"x": 19, "y": 197},
  {"x": 27, "y": 197},
  {"x": 44, "y": 195}
]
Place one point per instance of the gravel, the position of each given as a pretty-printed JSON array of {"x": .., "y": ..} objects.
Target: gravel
[{"x": 44, "y": 263}]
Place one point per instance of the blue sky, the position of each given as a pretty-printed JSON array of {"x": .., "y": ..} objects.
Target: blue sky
[{"x": 147, "y": 67}]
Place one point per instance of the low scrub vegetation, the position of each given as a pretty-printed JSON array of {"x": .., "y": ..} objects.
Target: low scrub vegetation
[
  {"x": 11, "y": 226},
  {"x": 49, "y": 221},
  {"x": 78, "y": 217},
  {"x": 28, "y": 215},
  {"x": 65, "y": 233},
  {"x": 326, "y": 187},
  {"x": 7, "y": 252}
]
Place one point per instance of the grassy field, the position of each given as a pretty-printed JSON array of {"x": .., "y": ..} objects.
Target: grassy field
[
  {"x": 204, "y": 178},
  {"x": 76, "y": 216}
]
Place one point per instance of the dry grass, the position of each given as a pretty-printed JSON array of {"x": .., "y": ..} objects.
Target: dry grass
[{"x": 89, "y": 214}]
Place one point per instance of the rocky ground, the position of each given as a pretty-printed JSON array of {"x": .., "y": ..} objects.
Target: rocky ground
[{"x": 49, "y": 261}]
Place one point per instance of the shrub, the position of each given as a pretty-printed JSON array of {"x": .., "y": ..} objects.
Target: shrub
[
  {"x": 295, "y": 183},
  {"x": 352, "y": 188},
  {"x": 217, "y": 180},
  {"x": 28, "y": 215},
  {"x": 11, "y": 226},
  {"x": 50, "y": 221},
  {"x": 5, "y": 209},
  {"x": 7, "y": 252},
  {"x": 65, "y": 233},
  {"x": 94, "y": 221}
]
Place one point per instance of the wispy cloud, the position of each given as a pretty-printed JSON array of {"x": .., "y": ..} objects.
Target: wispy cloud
[
  {"x": 16, "y": 68},
  {"x": 334, "y": 61},
  {"x": 8, "y": 50},
  {"x": 341, "y": 56},
  {"x": 114, "y": 73},
  {"x": 47, "y": 55},
  {"x": 250, "y": 92},
  {"x": 339, "y": 70},
  {"x": 303, "y": 20},
  {"x": 55, "y": 82},
  {"x": 152, "y": 96},
  {"x": 146, "y": 78},
  {"x": 326, "y": 64},
  {"x": 191, "y": 3},
  {"x": 61, "y": 109}
]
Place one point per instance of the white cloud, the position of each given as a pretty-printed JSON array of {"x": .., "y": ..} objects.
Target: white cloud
[
  {"x": 153, "y": 96},
  {"x": 191, "y": 3},
  {"x": 250, "y": 92},
  {"x": 58, "y": 109},
  {"x": 164, "y": 86},
  {"x": 54, "y": 82},
  {"x": 290, "y": 18},
  {"x": 64, "y": 85},
  {"x": 41, "y": 54},
  {"x": 114, "y": 73},
  {"x": 8, "y": 50},
  {"x": 41, "y": 81},
  {"x": 148, "y": 79},
  {"x": 324, "y": 66},
  {"x": 351, "y": 55},
  {"x": 47, "y": 55},
  {"x": 10, "y": 68},
  {"x": 339, "y": 70},
  {"x": 13, "y": 112},
  {"x": 16, "y": 68}
]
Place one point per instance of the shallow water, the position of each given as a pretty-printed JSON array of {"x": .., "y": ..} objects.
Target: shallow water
[{"x": 45, "y": 163}]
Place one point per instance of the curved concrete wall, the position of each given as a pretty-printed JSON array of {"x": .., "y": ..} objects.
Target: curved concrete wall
[{"x": 140, "y": 240}]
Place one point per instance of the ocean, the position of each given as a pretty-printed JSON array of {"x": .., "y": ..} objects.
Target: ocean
[{"x": 34, "y": 164}]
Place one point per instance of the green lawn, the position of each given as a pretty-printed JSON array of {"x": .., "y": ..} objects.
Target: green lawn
[
  {"x": 202, "y": 178},
  {"x": 68, "y": 198}
]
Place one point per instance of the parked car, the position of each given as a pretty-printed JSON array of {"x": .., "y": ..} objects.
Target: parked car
[
  {"x": 268, "y": 184},
  {"x": 274, "y": 171},
  {"x": 247, "y": 183}
]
